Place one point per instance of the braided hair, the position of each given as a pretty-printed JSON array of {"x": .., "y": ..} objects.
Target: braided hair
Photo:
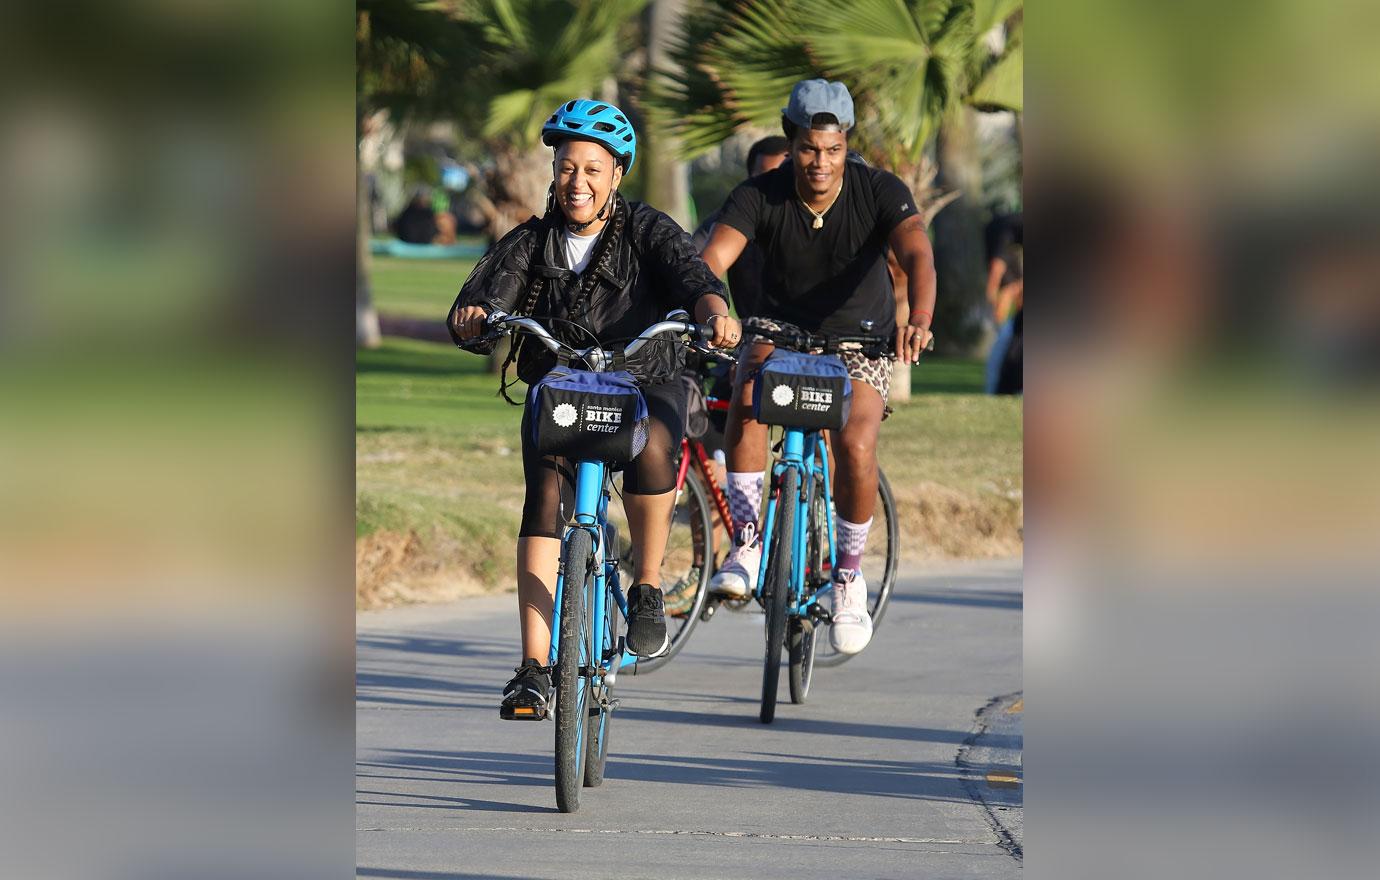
[{"x": 602, "y": 258}]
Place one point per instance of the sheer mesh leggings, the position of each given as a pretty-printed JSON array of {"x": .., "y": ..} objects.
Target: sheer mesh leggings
[{"x": 550, "y": 495}]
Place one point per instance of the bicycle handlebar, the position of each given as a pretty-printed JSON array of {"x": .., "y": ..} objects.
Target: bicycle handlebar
[
  {"x": 798, "y": 339},
  {"x": 598, "y": 358}
]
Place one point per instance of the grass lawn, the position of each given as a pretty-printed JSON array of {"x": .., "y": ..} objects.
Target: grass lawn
[
  {"x": 439, "y": 475},
  {"x": 418, "y": 288}
]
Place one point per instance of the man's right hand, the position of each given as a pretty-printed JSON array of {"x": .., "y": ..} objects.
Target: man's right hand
[{"x": 468, "y": 322}]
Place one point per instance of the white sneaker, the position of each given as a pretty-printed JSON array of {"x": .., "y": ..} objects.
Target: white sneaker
[
  {"x": 852, "y": 627},
  {"x": 737, "y": 577}
]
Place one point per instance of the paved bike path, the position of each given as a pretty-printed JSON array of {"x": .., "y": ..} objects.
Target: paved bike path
[{"x": 887, "y": 772}]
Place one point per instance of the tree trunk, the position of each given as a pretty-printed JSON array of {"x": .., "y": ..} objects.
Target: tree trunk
[
  {"x": 515, "y": 188},
  {"x": 366, "y": 318},
  {"x": 959, "y": 251},
  {"x": 668, "y": 178}
]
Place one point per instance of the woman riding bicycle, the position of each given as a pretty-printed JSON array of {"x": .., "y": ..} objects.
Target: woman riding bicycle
[{"x": 594, "y": 268}]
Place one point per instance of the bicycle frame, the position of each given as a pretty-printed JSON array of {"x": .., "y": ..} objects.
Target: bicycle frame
[
  {"x": 807, "y": 453},
  {"x": 693, "y": 450},
  {"x": 591, "y": 514}
]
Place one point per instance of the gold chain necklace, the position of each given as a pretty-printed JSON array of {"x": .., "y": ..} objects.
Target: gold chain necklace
[{"x": 819, "y": 215}]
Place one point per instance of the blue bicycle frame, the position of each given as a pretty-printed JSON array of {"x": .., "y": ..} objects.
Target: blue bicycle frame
[
  {"x": 806, "y": 452},
  {"x": 591, "y": 514}
]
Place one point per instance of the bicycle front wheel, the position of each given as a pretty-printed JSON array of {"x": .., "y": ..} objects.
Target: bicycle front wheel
[
  {"x": 600, "y": 714},
  {"x": 879, "y": 563},
  {"x": 778, "y": 589},
  {"x": 572, "y": 688}
]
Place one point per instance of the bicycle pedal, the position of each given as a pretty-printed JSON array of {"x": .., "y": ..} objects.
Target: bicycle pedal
[{"x": 522, "y": 713}]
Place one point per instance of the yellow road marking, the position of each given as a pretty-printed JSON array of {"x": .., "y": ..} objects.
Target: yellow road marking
[
  {"x": 1003, "y": 780},
  {"x": 1017, "y": 707}
]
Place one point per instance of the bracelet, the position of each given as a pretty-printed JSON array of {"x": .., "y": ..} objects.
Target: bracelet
[
  {"x": 712, "y": 317},
  {"x": 920, "y": 312}
]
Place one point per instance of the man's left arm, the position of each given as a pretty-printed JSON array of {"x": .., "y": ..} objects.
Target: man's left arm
[{"x": 913, "y": 253}]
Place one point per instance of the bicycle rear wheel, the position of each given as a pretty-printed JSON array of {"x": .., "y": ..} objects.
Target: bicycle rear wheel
[
  {"x": 600, "y": 715},
  {"x": 879, "y": 563},
  {"x": 801, "y": 639},
  {"x": 778, "y": 588},
  {"x": 572, "y": 688},
  {"x": 686, "y": 568}
]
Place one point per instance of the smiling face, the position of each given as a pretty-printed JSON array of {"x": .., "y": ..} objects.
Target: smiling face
[
  {"x": 585, "y": 175},
  {"x": 818, "y": 158}
]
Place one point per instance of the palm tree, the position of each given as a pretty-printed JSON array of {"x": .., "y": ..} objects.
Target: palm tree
[
  {"x": 497, "y": 68},
  {"x": 404, "y": 52},
  {"x": 913, "y": 67},
  {"x": 909, "y": 64}
]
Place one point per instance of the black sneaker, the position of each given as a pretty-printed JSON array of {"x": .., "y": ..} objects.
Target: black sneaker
[
  {"x": 647, "y": 622},
  {"x": 524, "y": 698}
]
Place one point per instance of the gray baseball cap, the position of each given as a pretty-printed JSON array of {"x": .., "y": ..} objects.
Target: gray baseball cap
[{"x": 811, "y": 96}]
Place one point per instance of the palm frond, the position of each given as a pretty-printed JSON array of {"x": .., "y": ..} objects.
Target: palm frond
[{"x": 1002, "y": 86}]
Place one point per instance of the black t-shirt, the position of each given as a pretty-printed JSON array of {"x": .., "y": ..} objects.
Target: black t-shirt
[{"x": 828, "y": 279}]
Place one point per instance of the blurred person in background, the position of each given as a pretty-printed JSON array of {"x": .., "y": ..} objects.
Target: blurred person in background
[
  {"x": 824, "y": 225},
  {"x": 1005, "y": 237},
  {"x": 416, "y": 224},
  {"x": 745, "y": 275},
  {"x": 604, "y": 267},
  {"x": 744, "y": 289}
]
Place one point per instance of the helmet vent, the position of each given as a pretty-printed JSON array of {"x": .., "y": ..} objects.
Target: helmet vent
[
  {"x": 620, "y": 119},
  {"x": 627, "y": 137},
  {"x": 570, "y": 106},
  {"x": 569, "y": 124},
  {"x": 602, "y": 126},
  {"x": 600, "y": 109}
]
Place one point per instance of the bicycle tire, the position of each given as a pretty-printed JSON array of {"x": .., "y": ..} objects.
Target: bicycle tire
[
  {"x": 572, "y": 689},
  {"x": 800, "y": 643},
  {"x": 692, "y": 512},
  {"x": 778, "y": 587},
  {"x": 600, "y": 714},
  {"x": 889, "y": 557}
]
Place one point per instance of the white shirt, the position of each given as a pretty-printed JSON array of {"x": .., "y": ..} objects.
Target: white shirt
[{"x": 578, "y": 249}]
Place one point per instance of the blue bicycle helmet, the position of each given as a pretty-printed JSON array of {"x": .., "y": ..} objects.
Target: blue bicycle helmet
[{"x": 596, "y": 121}]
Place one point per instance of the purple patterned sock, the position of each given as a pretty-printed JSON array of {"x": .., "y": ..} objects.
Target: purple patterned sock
[
  {"x": 852, "y": 538},
  {"x": 744, "y": 498}
]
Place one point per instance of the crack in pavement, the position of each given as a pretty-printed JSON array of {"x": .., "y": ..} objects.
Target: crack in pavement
[{"x": 973, "y": 776}]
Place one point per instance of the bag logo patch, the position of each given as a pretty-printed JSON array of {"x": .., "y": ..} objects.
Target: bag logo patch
[
  {"x": 603, "y": 419},
  {"x": 817, "y": 399},
  {"x": 782, "y": 395},
  {"x": 564, "y": 415}
]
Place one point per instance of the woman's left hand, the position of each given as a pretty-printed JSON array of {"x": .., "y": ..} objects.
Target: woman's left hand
[{"x": 727, "y": 331}]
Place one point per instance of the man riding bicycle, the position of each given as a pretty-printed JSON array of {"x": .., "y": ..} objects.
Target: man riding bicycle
[
  {"x": 824, "y": 225},
  {"x": 598, "y": 269}
]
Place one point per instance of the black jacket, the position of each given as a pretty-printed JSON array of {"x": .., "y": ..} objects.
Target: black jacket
[{"x": 653, "y": 269}]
